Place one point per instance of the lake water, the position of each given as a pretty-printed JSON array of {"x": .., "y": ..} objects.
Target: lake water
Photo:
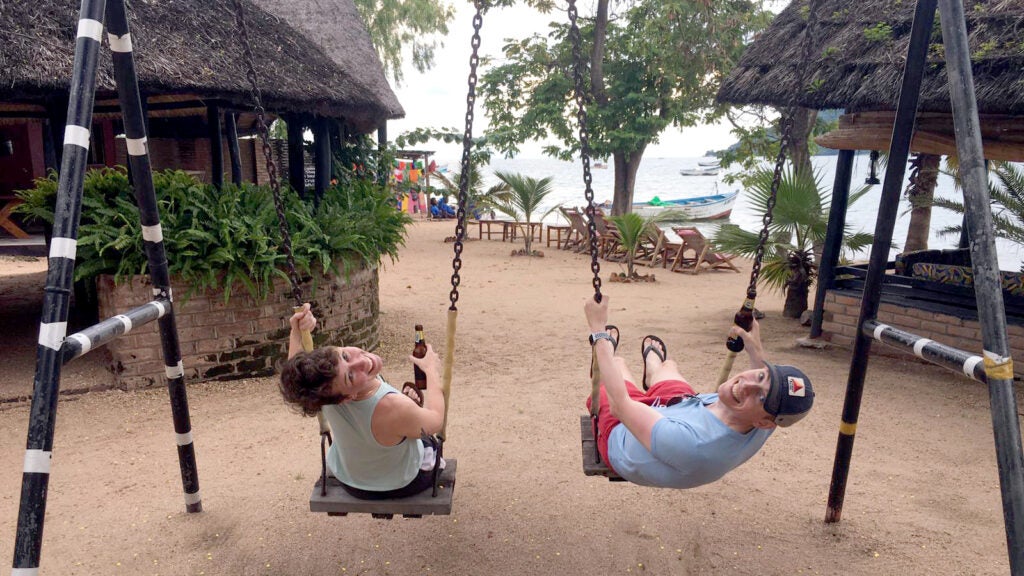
[{"x": 660, "y": 177}]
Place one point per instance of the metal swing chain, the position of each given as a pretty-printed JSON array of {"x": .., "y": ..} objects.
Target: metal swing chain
[
  {"x": 264, "y": 133},
  {"x": 466, "y": 167},
  {"x": 584, "y": 135},
  {"x": 785, "y": 140}
]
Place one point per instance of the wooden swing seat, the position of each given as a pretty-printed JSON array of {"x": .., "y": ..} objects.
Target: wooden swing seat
[
  {"x": 338, "y": 502},
  {"x": 592, "y": 465}
]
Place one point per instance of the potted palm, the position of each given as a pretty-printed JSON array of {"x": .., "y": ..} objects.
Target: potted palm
[{"x": 792, "y": 249}]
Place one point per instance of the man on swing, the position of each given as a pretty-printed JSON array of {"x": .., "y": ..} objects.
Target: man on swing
[
  {"x": 669, "y": 436},
  {"x": 377, "y": 451}
]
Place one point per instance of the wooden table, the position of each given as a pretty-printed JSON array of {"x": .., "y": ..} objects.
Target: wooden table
[
  {"x": 11, "y": 202},
  {"x": 558, "y": 230},
  {"x": 512, "y": 230},
  {"x": 488, "y": 224}
]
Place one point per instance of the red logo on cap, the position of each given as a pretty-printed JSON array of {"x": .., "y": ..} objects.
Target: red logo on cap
[{"x": 796, "y": 386}]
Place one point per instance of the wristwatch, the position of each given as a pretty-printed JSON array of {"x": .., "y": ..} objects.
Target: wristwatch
[{"x": 600, "y": 336}]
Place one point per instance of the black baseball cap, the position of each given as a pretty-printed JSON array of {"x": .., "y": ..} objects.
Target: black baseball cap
[{"x": 790, "y": 396}]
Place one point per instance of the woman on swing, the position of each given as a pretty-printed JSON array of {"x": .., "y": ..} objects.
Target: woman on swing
[
  {"x": 381, "y": 438},
  {"x": 671, "y": 437}
]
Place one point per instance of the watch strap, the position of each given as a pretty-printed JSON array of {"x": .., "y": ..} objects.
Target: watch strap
[{"x": 601, "y": 336}]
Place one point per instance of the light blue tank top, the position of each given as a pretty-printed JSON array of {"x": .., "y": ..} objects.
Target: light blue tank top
[
  {"x": 690, "y": 447},
  {"x": 357, "y": 459}
]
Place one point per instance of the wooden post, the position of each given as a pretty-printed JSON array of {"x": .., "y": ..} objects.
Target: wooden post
[
  {"x": 322, "y": 145},
  {"x": 216, "y": 136},
  {"x": 833, "y": 236},
  {"x": 231, "y": 131},
  {"x": 296, "y": 158}
]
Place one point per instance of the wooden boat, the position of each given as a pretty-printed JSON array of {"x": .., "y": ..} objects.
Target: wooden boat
[
  {"x": 708, "y": 162},
  {"x": 709, "y": 171},
  {"x": 697, "y": 208}
]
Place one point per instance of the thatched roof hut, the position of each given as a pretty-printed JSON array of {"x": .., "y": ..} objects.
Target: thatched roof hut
[
  {"x": 328, "y": 23},
  {"x": 192, "y": 47},
  {"x": 856, "y": 64},
  {"x": 858, "y": 55}
]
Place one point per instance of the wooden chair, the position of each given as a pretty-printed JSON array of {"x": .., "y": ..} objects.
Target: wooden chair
[
  {"x": 578, "y": 236},
  {"x": 703, "y": 254},
  {"x": 609, "y": 242},
  {"x": 662, "y": 249}
]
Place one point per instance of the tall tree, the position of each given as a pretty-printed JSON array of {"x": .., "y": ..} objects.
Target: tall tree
[
  {"x": 397, "y": 26},
  {"x": 924, "y": 175},
  {"x": 650, "y": 64}
]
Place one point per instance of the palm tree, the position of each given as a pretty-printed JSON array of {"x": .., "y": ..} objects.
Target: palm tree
[
  {"x": 633, "y": 229},
  {"x": 479, "y": 199},
  {"x": 1007, "y": 198},
  {"x": 525, "y": 195},
  {"x": 800, "y": 220}
]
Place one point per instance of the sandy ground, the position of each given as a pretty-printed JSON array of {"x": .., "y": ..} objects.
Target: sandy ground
[{"x": 923, "y": 496}]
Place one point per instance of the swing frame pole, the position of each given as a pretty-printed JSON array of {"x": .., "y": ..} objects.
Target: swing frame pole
[
  {"x": 899, "y": 151},
  {"x": 987, "y": 284}
]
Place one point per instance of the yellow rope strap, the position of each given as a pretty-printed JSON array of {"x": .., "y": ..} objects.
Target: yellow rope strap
[
  {"x": 998, "y": 368},
  {"x": 449, "y": 360},
  {"x": 727, "y": 367},
  {"x": 595, "y": 383},
  {"x": 307, "y": 346}
]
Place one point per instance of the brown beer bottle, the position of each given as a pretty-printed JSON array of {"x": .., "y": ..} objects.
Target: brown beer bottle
[
  {"x": 419, "y": 350},
  {"x": 744, "y": 319}
]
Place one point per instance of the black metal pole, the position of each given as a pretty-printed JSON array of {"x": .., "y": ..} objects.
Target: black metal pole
[
  {"x": 322, "y": 144},
  {"x": 152, "y": 240},
  {"x": 57, "y": 293},
  {"x": 296, "y": 156},
  {"x": 987, "y": 282},
  {"x": 833, "y": 236},
  {"x": 959, "y": 361},
  {"x": 892, "y": 188},
  {"x": 231, "y": 129},
  {"x": 216, "y": 136},
  {"x": 383, "y": 170},
  {"x": 81, "y": 343}
]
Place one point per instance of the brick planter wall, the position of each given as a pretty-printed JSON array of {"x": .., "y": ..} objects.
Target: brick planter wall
[
  {"x": 239, "y": 338},
  {"x": 841, "y": 312}
]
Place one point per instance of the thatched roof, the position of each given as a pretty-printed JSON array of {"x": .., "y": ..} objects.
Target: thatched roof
[
  {"x": 336, "y": 27},
  {"x": 191, "y": 46},
  {"x": 858, "y": 70}
]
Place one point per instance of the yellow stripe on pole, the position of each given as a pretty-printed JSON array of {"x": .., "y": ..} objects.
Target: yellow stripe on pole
[
  {"x": 449, "y": 361},
  {"x": 998, "y": 368},
  {"x": 847, "y": 428},
  {"x": 595, "y": 383}
]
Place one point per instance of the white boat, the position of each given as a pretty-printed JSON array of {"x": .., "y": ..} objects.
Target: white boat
[
  {"x": 697, "y": 208},
  {"x": 711, "y": 171},
  {"x": 708, "y": 162}
]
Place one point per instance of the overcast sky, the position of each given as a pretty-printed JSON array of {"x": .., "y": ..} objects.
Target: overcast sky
[{"x": 437, "y": 98}]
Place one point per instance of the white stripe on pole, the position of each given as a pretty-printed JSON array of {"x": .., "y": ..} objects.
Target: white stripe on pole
[
  {"x": 879, "y": 329},
  {"x": 77, "y": 135},
  {"x": 83, "y": 340},
  {"x": 184, "y": 439},
  {"x": 970, "y": 364},
  {"x": 173, "y": 372},
  {"x": 37, "y": 461},
  {"x": 193, "y": 498},
  {"x": 125, "y": 321},
  {"x": 88, "y": 28},
  {"x": 121, "y": 44},
  {"x": 160, "y": 306},
  {"x": 153, "y": 234},
  {"x": 52, "y": 335},
  {"x": 25, "y": 572},
  {"x": 137, "y": 146},
  {"x": 919, "y": 346},
  {"x": 63, "y": 248}
]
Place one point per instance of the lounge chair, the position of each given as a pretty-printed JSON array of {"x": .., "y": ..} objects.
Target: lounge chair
[
  {"x": 578, "y": 234},
  {"x": 662, "y": 249},
  {"x": 697, "y": 253}
]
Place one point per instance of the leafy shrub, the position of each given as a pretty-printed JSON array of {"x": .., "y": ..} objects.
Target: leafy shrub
[{"x": 220, "y": 238}]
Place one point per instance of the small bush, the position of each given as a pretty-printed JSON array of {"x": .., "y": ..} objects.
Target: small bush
[{"x": 220, "y": 238}]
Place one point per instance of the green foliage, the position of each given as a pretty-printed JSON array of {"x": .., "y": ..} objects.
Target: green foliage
[
  {"x": 659, "y": 64},
  {"x": 523, "y": 200},
  {"x": 224, "y": 238},
  {"x": 800, "y": 220},
  {"x": 405, "y": 26},
  {"x": 1006, "y": 193},
  {"x": 634, "y": 229},
  {"x": 880, "y": 32}
]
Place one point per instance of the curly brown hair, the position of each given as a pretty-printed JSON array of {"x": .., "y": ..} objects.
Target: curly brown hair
[{"x": 306, "y": 380}]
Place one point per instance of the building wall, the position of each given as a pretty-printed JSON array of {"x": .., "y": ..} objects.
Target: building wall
[
  {"x": 241, "y": 337},
  {"x": 26, "y": 164},
  {"x": 841, "y": 312}
]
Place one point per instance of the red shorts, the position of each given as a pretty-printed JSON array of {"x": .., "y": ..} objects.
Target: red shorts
[{"x": 658, "y": 395}]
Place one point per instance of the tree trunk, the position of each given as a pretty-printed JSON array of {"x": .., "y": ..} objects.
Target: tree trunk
[
  {"x": 924, "y": 175},
  {"x": 797, "y": 287},
  {"x": 626, "y": 166},
  {"x": 803, "y": 123}
]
